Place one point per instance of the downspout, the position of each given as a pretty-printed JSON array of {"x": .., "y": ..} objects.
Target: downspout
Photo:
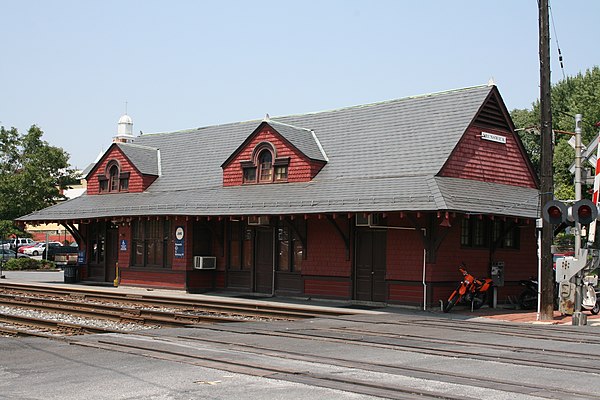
[
  {"x": 275, "y": 232},
  {"x": 424, "y": 271}
]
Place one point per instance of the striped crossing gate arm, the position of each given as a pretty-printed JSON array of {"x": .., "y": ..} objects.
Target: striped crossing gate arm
[{"x": 592, "y": 233}]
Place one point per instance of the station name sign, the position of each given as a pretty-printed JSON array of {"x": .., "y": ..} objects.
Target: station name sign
[{"x": 493, "y": 138}]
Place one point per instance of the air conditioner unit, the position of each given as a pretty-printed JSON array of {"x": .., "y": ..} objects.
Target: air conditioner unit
[
  {"x": 253, "y": 220},
  {"x": 203, "y": 262},
  {"x": 369, "y": 220}
]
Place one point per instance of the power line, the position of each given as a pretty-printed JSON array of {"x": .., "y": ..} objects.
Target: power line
[{"x": 560, "y": 57}]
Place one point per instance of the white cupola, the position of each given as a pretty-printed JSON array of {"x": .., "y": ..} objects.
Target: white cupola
[{"x": 124, "y": 130}]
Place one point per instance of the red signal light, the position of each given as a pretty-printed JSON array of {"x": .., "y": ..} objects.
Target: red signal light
[
  {"x": 584, "y": 212},
  {"x": 554, "y": 212}
]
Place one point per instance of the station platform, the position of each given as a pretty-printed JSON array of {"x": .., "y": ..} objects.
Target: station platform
[{"x": 505, "y": 313}]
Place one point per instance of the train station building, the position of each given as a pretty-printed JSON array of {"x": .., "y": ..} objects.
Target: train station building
[{"x": 372, "y": 203}]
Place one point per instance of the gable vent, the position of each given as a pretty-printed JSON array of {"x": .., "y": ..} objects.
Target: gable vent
[{"x": 491, "y": 115}]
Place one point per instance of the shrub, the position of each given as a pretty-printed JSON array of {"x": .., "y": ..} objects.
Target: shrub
[{"x": 21, "y": 264}]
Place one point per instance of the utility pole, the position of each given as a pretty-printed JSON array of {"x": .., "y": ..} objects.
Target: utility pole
[
  {"x": 578, "y": 317},
  {"x": 547, "y": 183}
]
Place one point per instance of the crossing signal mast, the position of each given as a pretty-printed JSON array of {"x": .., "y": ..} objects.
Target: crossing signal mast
[{"x": 580, "y": 214}]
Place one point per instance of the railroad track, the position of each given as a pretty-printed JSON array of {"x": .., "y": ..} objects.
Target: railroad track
[
  {"x": 391, "y": 356},
  {"x": 231, "y": 349},
  {"x": 17, "y": 325},
  {"x": 122, "y": 308},
  {"x": 215, "y": 305}
]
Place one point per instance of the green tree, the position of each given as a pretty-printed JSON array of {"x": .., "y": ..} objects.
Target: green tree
[
  {"x": 574, "y": 95},
  {"x": 32, "y": 174}
]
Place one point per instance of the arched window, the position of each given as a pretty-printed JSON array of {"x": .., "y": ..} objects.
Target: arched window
[
  {"x": 265, "y": 166},
  {"x": 113, "y": 179}
]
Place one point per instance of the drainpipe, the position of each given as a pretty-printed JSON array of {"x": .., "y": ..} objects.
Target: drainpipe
[
  {"x": 275, "y": 233},
  {"x": 424, "y": 265},
  {"x": 424, "y": 282}
]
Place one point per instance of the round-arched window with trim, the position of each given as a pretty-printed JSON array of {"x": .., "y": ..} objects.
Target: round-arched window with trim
[
  {"x": 113, "y": 178},
  {"x": 265, "y": 166}
]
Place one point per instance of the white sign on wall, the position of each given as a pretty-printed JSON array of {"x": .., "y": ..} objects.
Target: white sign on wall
[{"x": 493, "y": 138}]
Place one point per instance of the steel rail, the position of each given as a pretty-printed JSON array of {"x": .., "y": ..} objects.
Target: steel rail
[
  {"x": 421, "y": 373},
  {"x": 285, "y": 311},
  {"x": 111, "y": 312},
  {"x": 361, "y": 340},
  {"x": 269, "y": 371},
  {"x": 32, "y": 322}
]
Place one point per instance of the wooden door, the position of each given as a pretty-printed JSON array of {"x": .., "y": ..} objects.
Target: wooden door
[
  {"x": 263, "y": 261},
  {"x": 370, "y": 267}
]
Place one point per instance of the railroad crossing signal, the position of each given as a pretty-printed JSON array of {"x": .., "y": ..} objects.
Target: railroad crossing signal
[{"x": 582, "y": 212}]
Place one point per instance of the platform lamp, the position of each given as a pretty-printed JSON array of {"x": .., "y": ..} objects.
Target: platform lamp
[{"x": 446, "y": 221}]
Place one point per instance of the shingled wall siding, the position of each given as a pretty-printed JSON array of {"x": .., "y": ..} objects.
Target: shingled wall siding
[
  {"x": 158, "y": 279},
  {"x": 136, "y": 181},
  {"x": 300, "y": 168},
  {"x": 405, "y": 264},
  {"x": 326, "y": 270},
  {"x": 519, "y": 264},
  {"x": 124, "y": 257},
  {"x": 483, "y": 160},
  {"x": 404, "y": 253}
]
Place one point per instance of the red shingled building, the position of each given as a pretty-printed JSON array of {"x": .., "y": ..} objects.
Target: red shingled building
[{"x": 376, "y": 203}]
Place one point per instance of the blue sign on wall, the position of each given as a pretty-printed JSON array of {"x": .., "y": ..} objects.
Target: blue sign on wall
[
  {"x": 81, "y": 258},
  {"x": 179, "y": 246},
  {"x": 123, "y": 245}
]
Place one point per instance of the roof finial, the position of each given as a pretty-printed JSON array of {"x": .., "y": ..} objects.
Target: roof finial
[
  {"x": 491, "y": 82},
  {"x": 267, "y": 118}
]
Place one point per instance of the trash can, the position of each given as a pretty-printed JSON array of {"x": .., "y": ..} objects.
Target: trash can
[{"x": 71, "y": 274}]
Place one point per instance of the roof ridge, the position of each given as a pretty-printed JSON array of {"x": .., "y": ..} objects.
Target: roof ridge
[
  {"x": 288, "y": 125},
  {"x": 387, "y": 101},
  {"x": 258, "y": 121},
  {"x": 137, "y": 145}
]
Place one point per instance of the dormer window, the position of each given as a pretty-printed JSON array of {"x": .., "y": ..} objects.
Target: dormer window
[
  {"x": 281, "y": 173},
  {"x": 114, "y": 180},
  {"x": 249, "y": 174},
  {"x": 265, "y": 167},
  {"x": 258, "y": 160}
]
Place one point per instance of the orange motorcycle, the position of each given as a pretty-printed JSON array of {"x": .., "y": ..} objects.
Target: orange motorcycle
[{"x": 471, "y": 291}]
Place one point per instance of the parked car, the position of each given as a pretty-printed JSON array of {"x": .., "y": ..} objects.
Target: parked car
[
  {"x": 6, "y": 254},
  {"x": 40, "y": 248},
  {"x": 16, "y": 243},
  {"x": 22, "y": 248}
]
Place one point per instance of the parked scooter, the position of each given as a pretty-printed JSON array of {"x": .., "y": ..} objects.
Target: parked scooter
[
  {"x": 471, "y": 290},
  {"x": 529, "y": 297}
]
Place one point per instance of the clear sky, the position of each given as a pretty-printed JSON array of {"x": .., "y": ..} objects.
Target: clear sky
[{"x": 70, "y": 66}]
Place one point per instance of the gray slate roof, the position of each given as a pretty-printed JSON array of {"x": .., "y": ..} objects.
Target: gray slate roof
[
  {"x": 381, "y": 157},
  {"x": 143, "y": 157},
  {"x": 303, "y": 139}
]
